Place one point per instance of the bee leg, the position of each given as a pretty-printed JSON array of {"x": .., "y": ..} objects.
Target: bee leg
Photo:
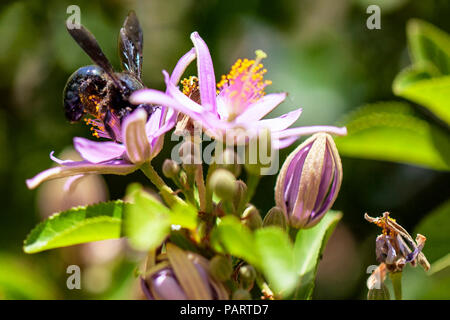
[
  {"x": 108, "y": 128},
  {"x": 149, "y": 108}
]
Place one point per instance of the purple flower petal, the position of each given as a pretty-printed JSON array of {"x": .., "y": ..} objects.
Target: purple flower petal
[
  {"x": 261, "y": 107},
  {"x": 282, "y": 122},
  {"x": 206, "y": 76},
  {"x": 119, "y": 167},
  {"x": 96, "y": 151},
  {"x": 181, "y": 66},
  {"x": 135, "y": 137},
  {"x": 151, "y": 96},
  {"x": 302, "y": 131}
]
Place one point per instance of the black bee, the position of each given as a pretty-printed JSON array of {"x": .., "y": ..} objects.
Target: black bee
[{"x": 99, "y": 91}]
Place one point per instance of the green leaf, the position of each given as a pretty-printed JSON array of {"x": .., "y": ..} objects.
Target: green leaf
[
  {"x": 308, "y": 247},
  {"x": 184, "y": 215},
  {"x": 427, "y": 81},
  {"x": 22, "y": 280},
  {"x": 77, "y": 225},
  {"x": 432, "y": 93},
  {"x": 428, "y": 44},
  {"x": 277, "y": 263},
  {"x": 236, "y": 239},
  {"x": 146, "y": 219},
  {"x": 392, "y": 131},
  {"x": 436, "y": 227}
]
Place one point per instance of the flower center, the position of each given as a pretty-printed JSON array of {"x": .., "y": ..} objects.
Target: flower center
[
  {"x": 191, "y": 89},
  {"x": 244, "y": 84}
]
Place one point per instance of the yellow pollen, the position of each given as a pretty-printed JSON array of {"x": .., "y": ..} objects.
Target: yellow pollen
[
  {"x": 250, "y": 73},
  {"x": 189, "y": 85}
]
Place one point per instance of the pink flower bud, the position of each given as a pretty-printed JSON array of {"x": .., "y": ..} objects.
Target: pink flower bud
[{"x": 309, "y": 181}]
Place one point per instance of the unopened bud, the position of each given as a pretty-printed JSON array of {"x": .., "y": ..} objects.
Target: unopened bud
[
  {"x": 241, "y": 294},
  {"x": 220, "y": 268},
  {"x": 228, "y": 160},
  {"x": 379, "y": 294},
  {"x": 247, "y": 276},
  {"x": 240, "y": 196},
  {"x": 223, "y": 183},
  {"x": 170, "y": 168},
  {"x": 275, "y": 217},
  {"x": 309, "y": 181},
  {"x": 251, "y": 218}
]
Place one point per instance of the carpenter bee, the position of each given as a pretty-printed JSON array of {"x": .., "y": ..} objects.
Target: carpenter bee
[{"x": 99, "y": 91}]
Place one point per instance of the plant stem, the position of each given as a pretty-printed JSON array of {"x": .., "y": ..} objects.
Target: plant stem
[
  {"x": 165, "y": 191},
  {"x": 201, "y": 187},
  {"x": 208, "y": 192},
  {"x": 396, "y": 278}
]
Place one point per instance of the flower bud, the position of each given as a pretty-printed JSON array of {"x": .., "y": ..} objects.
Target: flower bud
[
  {"x": 170, "y": 168},
  {"x": 251, "y": 218},
  {"x": 309, "y": 181},
  {"x": 179, "y": 275},
  {"x": 223, "y": 183},
  {"x": 247, "y": 276},
  {"x": 379, "y": 294},
  {"x": 241, "y": 294},
  {"x": 220, "y": 268},
  {"x": 240, "y": 196},
  {"x": 275, "y": 217},
  {"x": 227, "y": 159}
]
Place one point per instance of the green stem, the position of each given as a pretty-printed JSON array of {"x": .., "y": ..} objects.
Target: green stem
[
  {"x": 208, "y": 191},
  {"x": 396, "y": 278},
  {"x": 200, "y": 182},
  {"x": 293, "y": 234},
  {"x": 165, "y": 191},
  {"x": 264, "y": 287},
  {"x": 252, "y": 183}
]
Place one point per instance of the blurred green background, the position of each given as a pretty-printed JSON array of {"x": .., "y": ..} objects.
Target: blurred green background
[{"x": 319, "y": 51}]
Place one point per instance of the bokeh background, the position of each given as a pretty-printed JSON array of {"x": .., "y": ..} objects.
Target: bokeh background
[{"x": 319, "y": 51}]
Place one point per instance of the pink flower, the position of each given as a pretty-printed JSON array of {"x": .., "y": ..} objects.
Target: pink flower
[
  {"x": 138, "y": 139},
  {"x": 238, "y": 105}
]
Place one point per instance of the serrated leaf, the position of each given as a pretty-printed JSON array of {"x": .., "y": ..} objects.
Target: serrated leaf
[
  {"x": 146, "y": 219},
  {"x": 392, "y": 131},
  {"x": 77, "y": 225},
  {"x": 308, "y": 247},
  {"x": 277, "y": 259}
]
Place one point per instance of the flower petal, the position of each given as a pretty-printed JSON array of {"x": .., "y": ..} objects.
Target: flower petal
[
  {"x": 302, "y": 131},
  {"x": 96, "y": 152},
  {"x": 135, "y": 137},
  {"x": 262, "y": 107},
  {"x": 119, "y": 167},
  {"x": 152, "y": 96},
  {"x": 181, "y": 66},
  {"x": 281, "y": 123},
  {"x": 206, "y": 76}
]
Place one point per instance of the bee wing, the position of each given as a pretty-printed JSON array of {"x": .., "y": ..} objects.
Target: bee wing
[
  {"x": 89, "y": 44},
  {"x": 130, "y": 44}
]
